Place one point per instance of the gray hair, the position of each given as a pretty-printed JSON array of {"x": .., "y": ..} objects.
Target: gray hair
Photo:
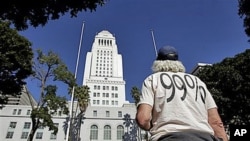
[{"x": 168, "y": 65}]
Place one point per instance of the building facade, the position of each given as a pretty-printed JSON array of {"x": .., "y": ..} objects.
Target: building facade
[{"x": 103, "y": 72}]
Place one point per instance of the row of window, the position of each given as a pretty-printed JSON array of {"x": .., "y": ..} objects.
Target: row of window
[
  {"x": 104, "y": 73},
  {"x": 25, "y": 133},
  {"x": 28, "y": 112},
  {"x": 93, "y": 133},
  {"x": 106, "y": 132},
  {"x": 103, "y": 58},
  {"x": 113, "y": 95},
  {"x": 98, "y": 87},
  {"x": 108, "y": 66},
  {"x": 105, "y": 42},
  {"x": 119, "y": 114},
  {"x": 25, "y": 126},
  {"x": 19, "y": 112},
  {"x": 104, "y": 102}
]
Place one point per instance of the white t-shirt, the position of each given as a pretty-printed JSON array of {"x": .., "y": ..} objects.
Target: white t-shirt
[{"x": 180, "y": 102}]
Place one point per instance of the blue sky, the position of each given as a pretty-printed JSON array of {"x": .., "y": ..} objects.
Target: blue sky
[{"x": 203, "y": 31}]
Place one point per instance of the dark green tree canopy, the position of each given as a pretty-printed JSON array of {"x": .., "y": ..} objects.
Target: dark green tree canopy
[
  {"x": 229, "y": 82},
  {"x": 22, "y": 13},
  {"x": 15, "y": 60},
  {"x": 244, "y": 12}
]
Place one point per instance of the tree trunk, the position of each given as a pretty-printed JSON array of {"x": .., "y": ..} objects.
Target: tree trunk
[
  {"x": 33, "y": 129},
  {"x": 31, "y": 135}
]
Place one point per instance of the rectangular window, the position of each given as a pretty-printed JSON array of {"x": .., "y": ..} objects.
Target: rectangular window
[
  {"x": 95, "y": 113},
  {"x": 40, "y": 127},
  {"x": 19, "y": 111},
  {"x": 26, "y": 125},
  {"x": 107, "y": 114},
  {"x": 24, "y": 135},
  {"x": 14, "y": 112},
  {"x": 39, "y": 135},
  {"x": 52, "y": 136},
  {"x": 12, "y": 125},
  {"x": 9, "y": 135},
  {"x": 119, "y": 113},
  {"x": 28, "y": 112}
]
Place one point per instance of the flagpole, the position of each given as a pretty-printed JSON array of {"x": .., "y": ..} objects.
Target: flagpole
[
  {"x": 73, "y": 89},
  {"x": 152, "y": 33}
]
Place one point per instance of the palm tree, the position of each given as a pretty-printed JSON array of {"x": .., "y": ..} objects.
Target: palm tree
[
  {"x": 135, "y": 92},
  {"x": 82, "y": 97}
]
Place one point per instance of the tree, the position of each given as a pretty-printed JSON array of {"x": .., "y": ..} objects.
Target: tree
[
  {"x": 229, "y": 82},
  {"x": 135, "y": 92},
  {"x": 15, "y": 61},
  {"x": 49, "y": 68},
  {"x": 132, "y": 129},
  {"x": 244, "y": 12},
  {"x": 82, "y": 97},
  {"x": 39, "y": 12}
]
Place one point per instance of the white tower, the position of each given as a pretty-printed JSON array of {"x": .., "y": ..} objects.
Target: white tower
[{"x": 103, "y": 72}]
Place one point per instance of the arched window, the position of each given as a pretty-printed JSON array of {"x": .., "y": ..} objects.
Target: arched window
[
  {"x": 93, "y": 132},
  {"x": 107, "y": 132},
  {"x": 120, "y": 132}
]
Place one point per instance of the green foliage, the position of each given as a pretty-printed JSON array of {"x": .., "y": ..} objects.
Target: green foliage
[
  {"x": 49, "y": 67},
  {"x": 244, "y": 12},
  {"x": 229, "y": 82},
  {"x": 39, "y": 12},
  {"x": 82, "y": 96},
  {"x": 135, "y": 92},
  {"x": 15, "y": 60},
  {"x": 55, "y": 102}
]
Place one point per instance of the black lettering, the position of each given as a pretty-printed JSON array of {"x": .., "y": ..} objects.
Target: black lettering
[
  {"x": 182, "y": 87},
  {"x": 168, "y": 86},
  {"x": 202, "y": 93}
]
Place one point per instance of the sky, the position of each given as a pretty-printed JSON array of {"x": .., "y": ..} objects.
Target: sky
[{"x": 203, "y": 31}]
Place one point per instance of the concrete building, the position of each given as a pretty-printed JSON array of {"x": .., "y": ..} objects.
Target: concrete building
[{"x": 105, "y": 117}]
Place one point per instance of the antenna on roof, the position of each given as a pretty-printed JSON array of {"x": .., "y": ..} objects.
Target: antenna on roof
[{"x": 152, "y": 33}]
